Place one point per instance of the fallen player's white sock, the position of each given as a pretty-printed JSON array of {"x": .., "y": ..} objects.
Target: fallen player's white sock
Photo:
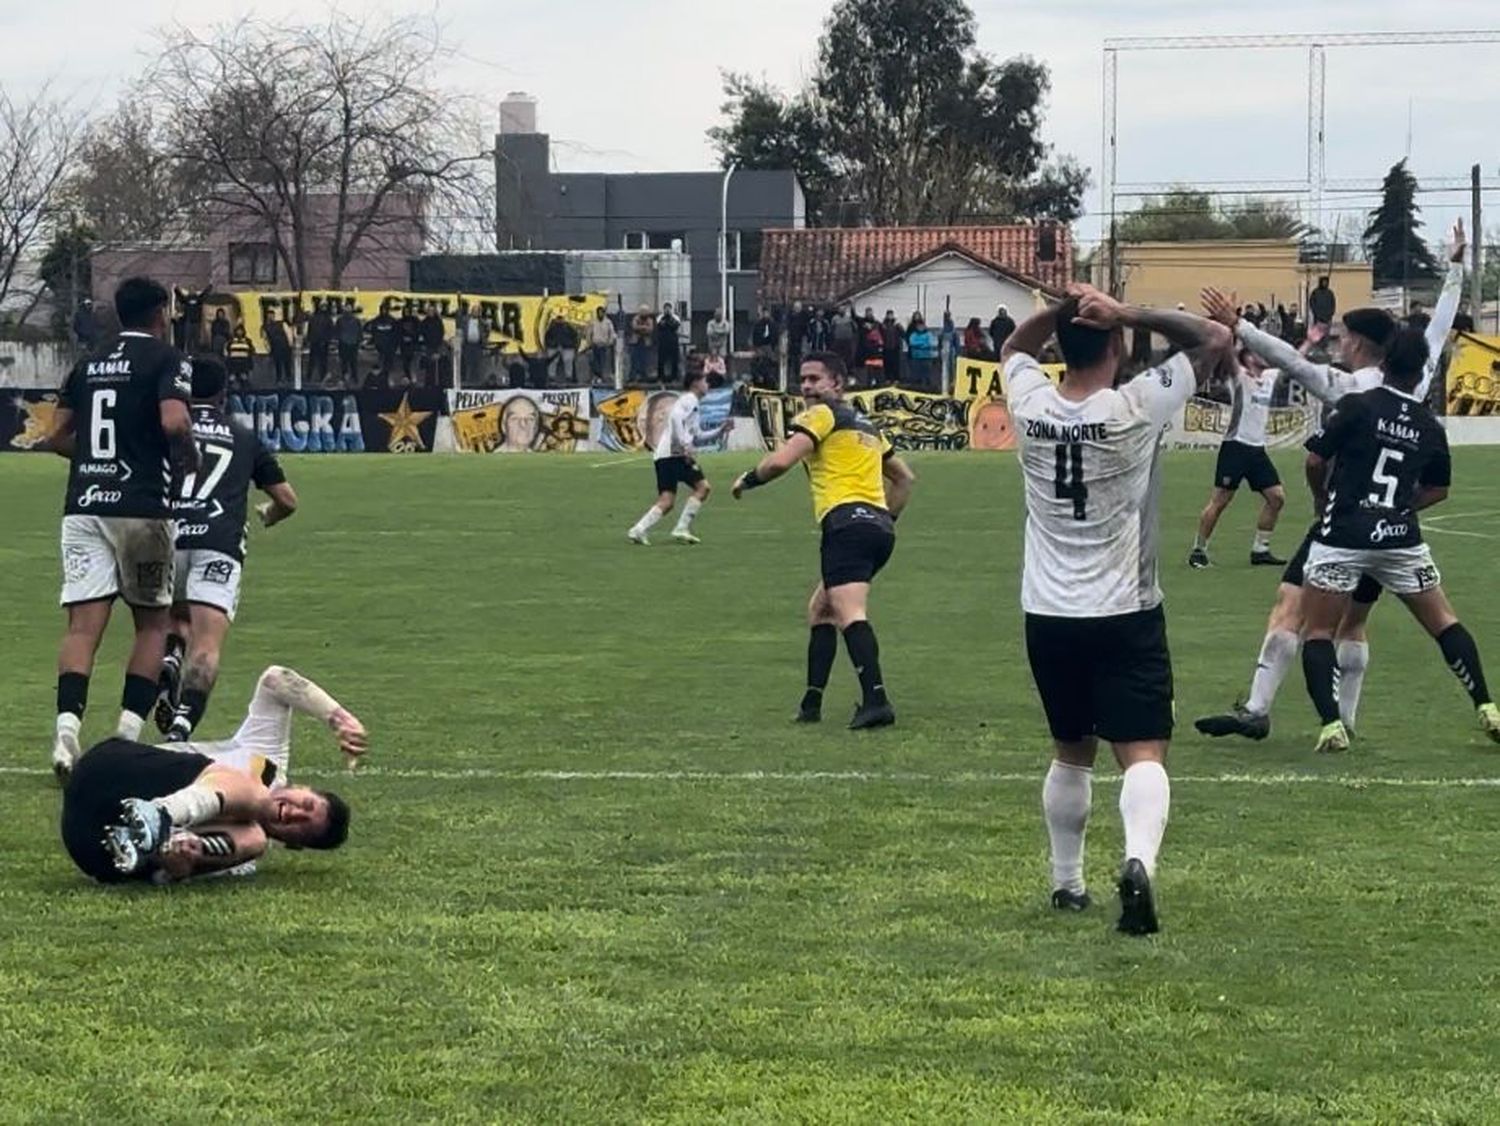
[
  {"x": 1354, "y": 658},
  {"x": 192, "y": 805},
  {"x": 1067, "y": 795},
  {"x": 646, "y": 522},
  {"x": 129, "y": 726},
  {"x": 1278, "y": 652},
  {"x": 689, "y": 513},
  {"x": 1145, "y": 798}
]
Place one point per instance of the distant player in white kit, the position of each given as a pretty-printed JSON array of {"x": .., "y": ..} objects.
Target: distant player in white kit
[
  {"x": 676, "y": 464},
  {"x": 1243, "y": 458},
  {"x": 1095, "y": 632}
]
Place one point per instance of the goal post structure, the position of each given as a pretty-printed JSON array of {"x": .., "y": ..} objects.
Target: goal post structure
[{"x": 1316, "y": 183}]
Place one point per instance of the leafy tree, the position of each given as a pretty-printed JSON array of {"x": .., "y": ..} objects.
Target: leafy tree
[
  {"x": 907, "y": 122},
  {"x": 1398, "y": 255},
  {"x": 1187, "y": 214},
  {"x": 127, "y": 188},
  {"x": 66, "y": 272}
]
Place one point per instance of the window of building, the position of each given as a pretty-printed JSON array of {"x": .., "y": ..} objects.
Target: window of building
[
  {"x": 749, "y": 250},
  {"x": 732, "y": 250},
  {"x": 252, "y": 263},
  {"x": 635, "y": 240},
  {"x": 663, "y": 240}
]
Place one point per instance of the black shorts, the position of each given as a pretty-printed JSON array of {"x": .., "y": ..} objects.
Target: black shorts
[
  {"x": 1239, "y": 462},
  {"x": 1367, "y": 593},
  {"x": 105, "y": 776},
  {"x": 857, "y": 542},
  {"x": 674, "y": 471},
  {"x": 1110, "y": 677}
]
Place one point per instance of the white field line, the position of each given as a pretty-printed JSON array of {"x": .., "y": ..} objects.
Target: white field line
[
  {"x": 1439, "y": 524},
  {"x": 806, "y": 777},
  {"x": 633, "y": 459}
]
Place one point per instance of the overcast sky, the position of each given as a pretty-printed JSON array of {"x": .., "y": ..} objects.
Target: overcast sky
[{"x": 632, "y": 86}]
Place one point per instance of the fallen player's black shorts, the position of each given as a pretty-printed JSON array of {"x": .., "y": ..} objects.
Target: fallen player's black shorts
[
  {"x": 1366, "y": 593},
  {"x": 106, "y": 775},
  {"x": 858, "y": 540},
  {"x": 1110, "y": 677}
]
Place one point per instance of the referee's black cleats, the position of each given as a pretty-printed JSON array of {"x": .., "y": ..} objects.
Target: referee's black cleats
[
  {"x": 1265, "y": 559},
  {"x": 1239, "y": 721},
  {"x": 1137, "y": 907},
  {"x": 1065, "y": 900},
  {"x": 872, "y": 715}
]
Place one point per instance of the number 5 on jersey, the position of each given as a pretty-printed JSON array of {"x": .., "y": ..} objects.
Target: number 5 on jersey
[{"x": 1069, "y": 482}]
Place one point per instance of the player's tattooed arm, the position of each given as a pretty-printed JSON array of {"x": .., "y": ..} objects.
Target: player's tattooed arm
[
  {"x": 1031, "y": 335},
  {"x": 1317, "y": 379},
  {"x": 1204, "y": 342},
  {"x": 293, "y": 690}
]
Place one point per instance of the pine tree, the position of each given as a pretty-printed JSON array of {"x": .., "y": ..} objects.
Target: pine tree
[{"x": 1398, "y": 256}]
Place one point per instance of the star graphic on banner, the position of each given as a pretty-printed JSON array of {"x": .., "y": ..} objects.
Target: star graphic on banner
[{"x": 405, "y": 425}]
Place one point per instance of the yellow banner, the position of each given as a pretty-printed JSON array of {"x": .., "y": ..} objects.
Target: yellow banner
[
  {"x": 1474, "y": 375},
  {"x": 985, "y": 379},
  {"x": 518, "y": 324}
]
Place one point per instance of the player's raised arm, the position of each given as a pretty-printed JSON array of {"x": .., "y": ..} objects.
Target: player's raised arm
[
  {"x": 1204, "y": 342},
  {"x": 1031, "y": 335},
  {"x": 1318, "y": 379},
  {"x": 1446, "y": 308}
]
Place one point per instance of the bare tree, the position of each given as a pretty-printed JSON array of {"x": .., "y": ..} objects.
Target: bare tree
[
  {"x": 126, "y": 188},
  {"x": 327, "y": 135},
  {"x": 37, "y": 143}
]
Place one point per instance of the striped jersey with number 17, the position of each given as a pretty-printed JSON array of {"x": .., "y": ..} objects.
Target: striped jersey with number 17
[{"x": 1092, "y": 488}]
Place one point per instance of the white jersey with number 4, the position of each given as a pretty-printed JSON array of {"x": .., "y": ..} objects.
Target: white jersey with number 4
[{"x": 1092, "y": 488}]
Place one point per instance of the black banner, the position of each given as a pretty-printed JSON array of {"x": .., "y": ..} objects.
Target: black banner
[{"x": 397, "y": 421}]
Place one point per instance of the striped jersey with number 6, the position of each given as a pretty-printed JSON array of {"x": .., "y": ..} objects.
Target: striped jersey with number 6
[{"x": 1092, "y": 487}]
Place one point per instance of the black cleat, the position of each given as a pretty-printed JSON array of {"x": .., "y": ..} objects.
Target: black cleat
[
  {"x": 1265, "y": 559},
  {"x": 809, "y": 715},
  {"x": 165, "y": 712},
  {"x": 1239, "y": 721},
  {"x": 1198, "y": 558},
  {"x": 1065, "y": 900},
  {"x": 872, "y": 715},
  {"x": 1137, "y": 908}
]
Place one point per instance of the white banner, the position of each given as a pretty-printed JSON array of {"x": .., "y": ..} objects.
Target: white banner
[
  {"x": 521, "y": 421},
  {"x": 1202, "y": 422}
]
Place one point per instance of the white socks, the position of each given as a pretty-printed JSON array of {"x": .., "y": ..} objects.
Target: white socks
[
  {"x": 1354, "y": 658},
  {"x": 689, "y": 513},
  {"x": 1262, "y": 541},
  {"x": 192, "y": 805},
  {"x": 68, "y": 724},
  {"x": 1145, "y": 798},
  {"x": 1066, "y": 796},
  {"x": 129, "y": 726},
  {"x": 647, "y": 522},
  {"x": 1278, "y": 652}
]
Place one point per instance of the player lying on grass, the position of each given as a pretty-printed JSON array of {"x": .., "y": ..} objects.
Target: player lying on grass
[
  {"x": 1367, "y": 336},
  {"x": 134, "y": 812}
]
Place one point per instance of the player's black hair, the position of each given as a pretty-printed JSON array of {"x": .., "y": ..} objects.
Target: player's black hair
[
  {"x": 1375, "y": 325},
  {"x": 693, "y": 374},
  {"x": 832, "y": 361},
  {"x": 136, "y": 302},
  {"x": 1406, "y": 358},
  {"x": 337, "y": 830},
  {"x": 209, "y": 377},
  {"x": 1081, "y": 345}
]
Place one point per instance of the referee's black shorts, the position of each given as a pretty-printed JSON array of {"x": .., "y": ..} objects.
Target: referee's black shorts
[
  {"x": 858, "y": 540},
  {"x": 1108, "y": 677},
  {"x": 1240, "y": 462},
  {"x": 1366, "y": 593},
  {"x": 674, "y": 471}
]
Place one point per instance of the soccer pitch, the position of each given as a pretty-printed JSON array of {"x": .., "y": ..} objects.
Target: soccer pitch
[{"x": 596, "y": 875}]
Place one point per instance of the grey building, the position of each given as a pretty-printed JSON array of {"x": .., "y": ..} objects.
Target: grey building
[{"x": 539, "y": 209}]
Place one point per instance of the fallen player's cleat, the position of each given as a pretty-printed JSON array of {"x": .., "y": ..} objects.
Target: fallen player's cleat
[
  {"x": 1065, "y": 900},
  {"x": 1137, "y": 906},
  {"x": 1238, "y": 721},
  {"x": 1333, "y": 739},
  {"x": 122, "y": 851},
  {"x": 148, "y": 824}
]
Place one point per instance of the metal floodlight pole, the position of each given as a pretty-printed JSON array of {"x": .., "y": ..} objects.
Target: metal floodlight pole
[
  {"x": 724, "y": 239},
  {"x": 1107, "y": 188}
]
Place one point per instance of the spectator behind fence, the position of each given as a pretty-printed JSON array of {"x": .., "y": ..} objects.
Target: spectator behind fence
[
  {"x": 602, "y": 347},
  {"x": 219, "y": 332},
  {"x": 817, "y": 332},
  {"x": 642, "y": 336},
  {"x": 190, "y": 307},
  {"x": 892, "y": 338},
  {"x": 319, "y": 340},
  {"x": 239, "y": 358},
  {"x": 280, "y": 347},
  {"x": 922, "y": 346},
  {"x": 717, "y": 335},
  {"x": 842, "y": 335},
  {"x": 347, "y": 331},
  {"x": 1001, "y": 328},
  {"x": 1322, "y": 304},
  {"x": 668, "y": 346},
  {"x": 561, "y": 342},
  {"x": 86, "y": 326},
  {"x": 434, "y": 339},
  {"x": 763, "y": 343},
  {"x": 410, "y": 340},
  {"x": 472, "y": 336},
  {"x": 385, "y": 336},
  {"x": 796, "y": 336},
  {"x": 976, "y": 346}
]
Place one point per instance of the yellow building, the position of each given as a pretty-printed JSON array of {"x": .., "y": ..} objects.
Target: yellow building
[{"x": 1162, "y": 274}]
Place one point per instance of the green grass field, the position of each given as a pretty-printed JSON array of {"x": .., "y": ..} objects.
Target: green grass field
[{"x": 597, "y": 876}]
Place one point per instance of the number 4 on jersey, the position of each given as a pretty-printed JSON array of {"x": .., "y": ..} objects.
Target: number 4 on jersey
[{"x": 1069, "y": 481}]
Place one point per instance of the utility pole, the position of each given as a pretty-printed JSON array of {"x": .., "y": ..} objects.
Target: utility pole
[{"x": 1476, "y": 248}]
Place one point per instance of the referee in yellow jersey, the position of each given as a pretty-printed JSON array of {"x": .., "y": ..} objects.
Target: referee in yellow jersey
[{"x": 859, "y": 487}]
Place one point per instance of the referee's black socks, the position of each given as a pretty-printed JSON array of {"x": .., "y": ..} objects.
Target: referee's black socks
[
  {"x": 1462, "y": 656},
  {"x": 822, "y": 647},
  {"x": 864, "y": 651}
]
